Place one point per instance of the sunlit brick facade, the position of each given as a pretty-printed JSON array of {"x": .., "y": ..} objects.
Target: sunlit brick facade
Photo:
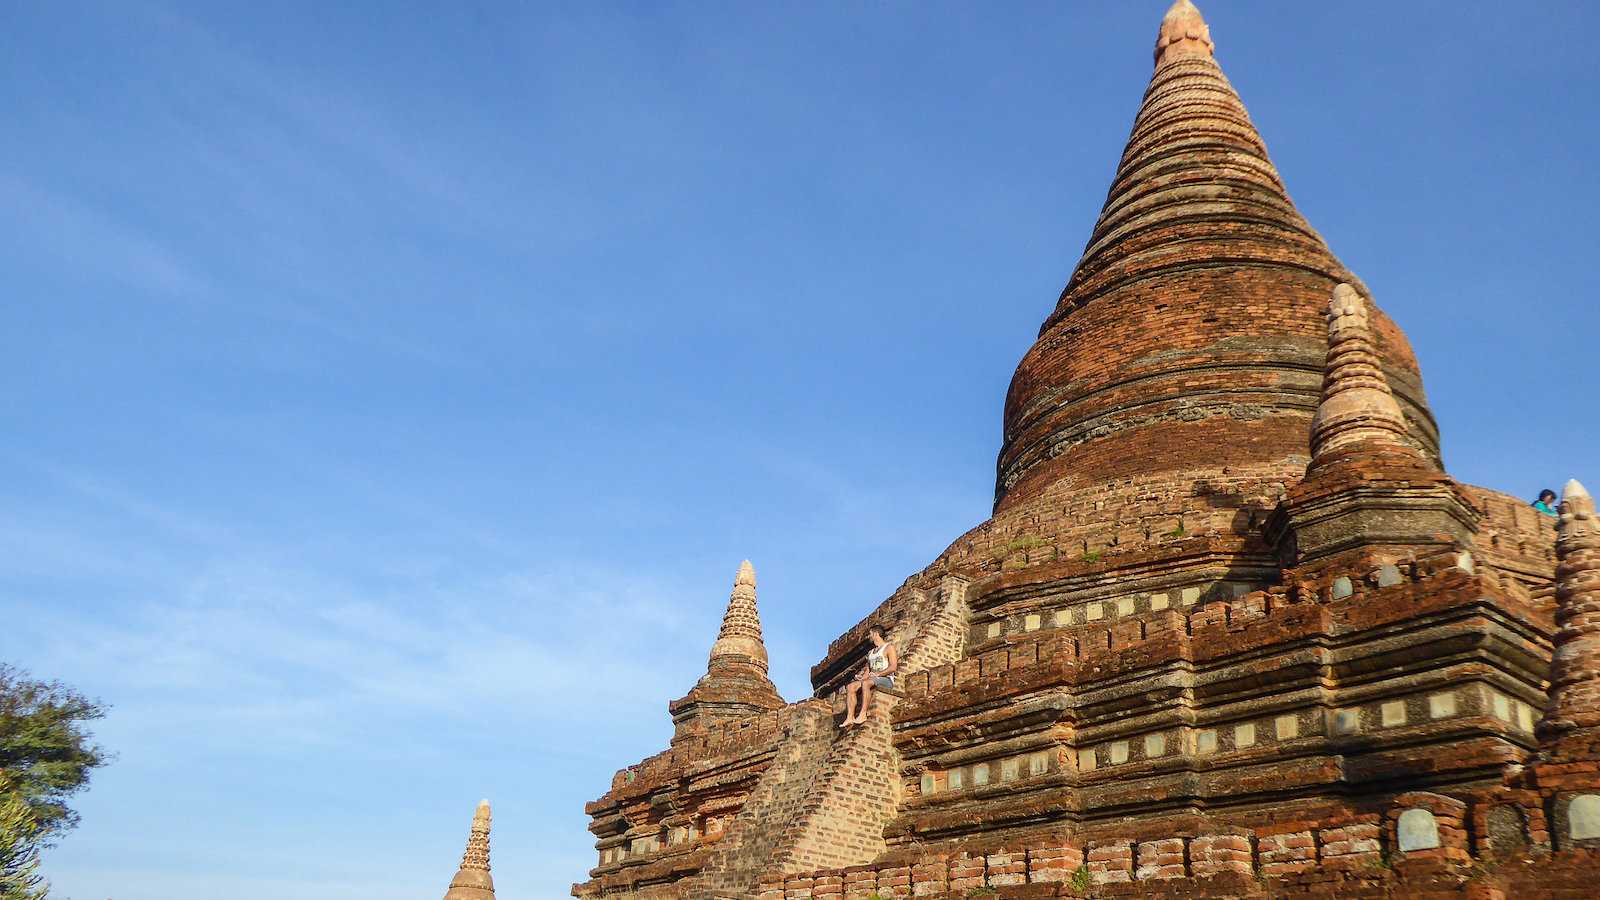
[{"x": 1231, "y": 631}]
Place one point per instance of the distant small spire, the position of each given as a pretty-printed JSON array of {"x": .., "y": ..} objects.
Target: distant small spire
[
  {"x": 740, "y": 635},
  {"x": 473, "y": 881},
  {"x": 1184, "y": 34},
  {"x": 1575, "y": 664},
  {"x": 1357, "y": 402}
]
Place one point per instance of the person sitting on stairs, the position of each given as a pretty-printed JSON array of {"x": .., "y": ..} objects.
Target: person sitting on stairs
[{"x": 882, "y": 662}]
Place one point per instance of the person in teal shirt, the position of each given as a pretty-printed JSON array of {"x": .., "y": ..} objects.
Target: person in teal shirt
[{"x": 1546, "y": 502}]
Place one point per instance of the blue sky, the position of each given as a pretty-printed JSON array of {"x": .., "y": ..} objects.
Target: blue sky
[{"x": 392, "y": 390}]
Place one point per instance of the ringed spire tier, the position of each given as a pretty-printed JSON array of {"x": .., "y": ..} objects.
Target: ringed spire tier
[
  {"x": 1193, "y": 326},
  {"x": 473, "y": 881},
  {"x": 1358, "y": 405}
]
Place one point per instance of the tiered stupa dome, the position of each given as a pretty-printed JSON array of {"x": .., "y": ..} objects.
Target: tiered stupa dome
[{"x": 1193, "y": 329}]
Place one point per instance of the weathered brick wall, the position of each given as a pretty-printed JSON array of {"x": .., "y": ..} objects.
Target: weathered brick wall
[
  {"x": 1226, "y": 699},
  {"x": 1078, "y": 515},
  {"x": 940, "y": 640},
  {"x": 1206, "y": 629},
  {"x": 791, "y": 746},
  {"x": 1515, "y": 539},
  {"x": 1089, "y": 526},
  {"x": 830, "y": 802}
]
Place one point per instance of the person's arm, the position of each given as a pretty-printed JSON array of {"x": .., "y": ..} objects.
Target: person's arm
[{"x": 893, "y": 657}]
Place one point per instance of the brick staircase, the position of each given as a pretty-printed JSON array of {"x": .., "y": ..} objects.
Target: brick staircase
[
  {"x": 742, "y": 853},
  {"x": 856, "y": 793},
  {"x": 826, "y": 797}
]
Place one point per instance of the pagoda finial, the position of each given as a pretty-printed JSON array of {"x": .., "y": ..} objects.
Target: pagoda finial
[
  {"x": 1575, "y": 664},
  {"x": 1184, "y": 34},
  {"x": 1357, "y": 402},
  {"x": 735, "y": 684},
  {"x": 740, "y": 635},
  {"x": 473, "y": 881}
]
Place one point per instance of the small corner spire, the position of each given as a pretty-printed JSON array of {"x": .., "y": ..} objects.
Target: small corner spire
[
  {"x": 735, "y": 684},
  {"x": 1184, "y": 34},
  {"x": 1357, "y": 403},
  {"x": 740, "y": 635},
  {"x": 1574, "y": 697},
  {"x": 473, "y": 881}
]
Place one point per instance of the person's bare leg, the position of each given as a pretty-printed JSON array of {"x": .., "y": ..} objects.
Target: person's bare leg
[
  {"x": 866, "y": 699},
  {"x": 861, "y": 703},
  {"x": 850, "y": 703}
]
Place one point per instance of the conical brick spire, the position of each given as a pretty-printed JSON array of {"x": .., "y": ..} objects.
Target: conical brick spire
[
  {"x": 1575, "y": 665},
  {"x": 1358, "y": 407},
  {"x": 473, "y": 881},
  {"x": 739, "y": 640},
  {"x": 1369, "y": 495},
  {"x": 1184, "y": 33},
  {"x": 735, "y": 684},
  {"x": 1189, "y": 326}
]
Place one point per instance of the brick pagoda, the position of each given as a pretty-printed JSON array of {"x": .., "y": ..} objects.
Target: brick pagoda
[{"x": 1231, "y": 631}]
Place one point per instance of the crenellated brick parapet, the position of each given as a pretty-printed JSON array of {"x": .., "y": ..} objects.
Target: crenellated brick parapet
[
  {"x": 1410, "y": 843},
  {"x": 1102, "y": 635},
  {"x": 1514, "y": 538},
  {"x": 727, "y": 741}
]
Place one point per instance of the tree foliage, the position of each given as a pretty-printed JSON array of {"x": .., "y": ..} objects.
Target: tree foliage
[
  {"x": 19, "y": 847},
  {"x": 46, "y": 751}
]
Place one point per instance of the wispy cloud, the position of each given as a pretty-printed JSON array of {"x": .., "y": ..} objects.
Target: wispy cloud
[
  {"x": 314, "y": 116},
  {"x": 85, "y": 239},
  {"x": 244, "y": 656},
  {"x": 232, "y": 658}
]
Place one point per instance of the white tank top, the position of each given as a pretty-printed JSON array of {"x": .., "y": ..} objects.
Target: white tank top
[{"x": 876, "y": 660}]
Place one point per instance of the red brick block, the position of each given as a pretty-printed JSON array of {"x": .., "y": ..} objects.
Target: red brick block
[
  {"x": 1110, "y": 862},
  {"x": 966, "y": 873},
  {"x": 1160, "y": 859},
  {"x": 1056, "y": 863},
  {"x": 1215, "y": 854}
]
